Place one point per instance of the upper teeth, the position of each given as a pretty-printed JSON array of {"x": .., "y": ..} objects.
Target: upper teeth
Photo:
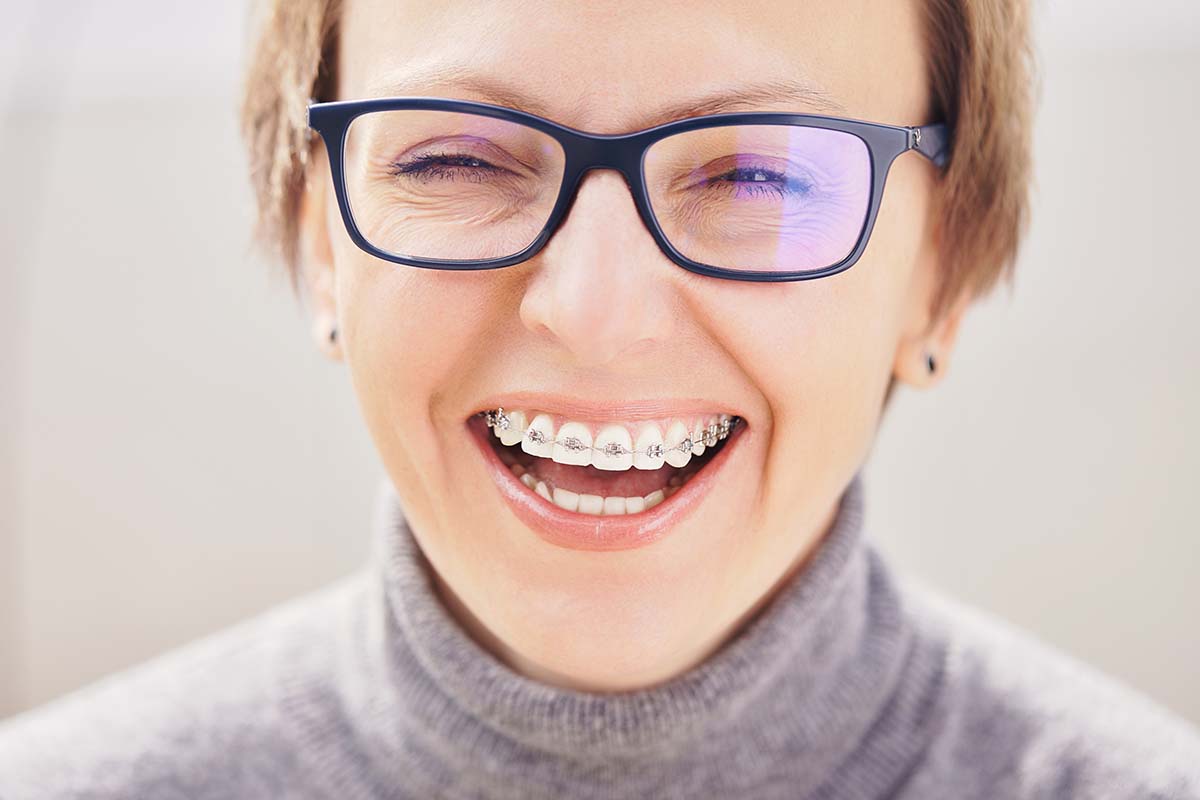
[{"x": 613, "y": 447}]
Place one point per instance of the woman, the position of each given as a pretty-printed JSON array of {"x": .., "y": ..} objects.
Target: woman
[{"x": 623, "y": 362}]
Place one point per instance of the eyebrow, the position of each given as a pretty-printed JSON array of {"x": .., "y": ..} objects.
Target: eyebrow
[{"x": 462, "y": 78}]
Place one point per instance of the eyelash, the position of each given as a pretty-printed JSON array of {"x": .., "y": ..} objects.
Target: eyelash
[
  {"x": 781, "y": 185},
  {"x": 429, "y": 167}
]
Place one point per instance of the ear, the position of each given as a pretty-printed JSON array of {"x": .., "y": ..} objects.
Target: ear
[
  {"x": 925, "y": 335},
  {"x": 316, "y": 255}
]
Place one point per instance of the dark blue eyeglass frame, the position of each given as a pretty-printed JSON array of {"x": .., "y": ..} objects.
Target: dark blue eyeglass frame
[{"x": 625, "y": 153}]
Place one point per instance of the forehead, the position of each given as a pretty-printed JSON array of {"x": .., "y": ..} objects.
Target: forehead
[{"x": 620, "y": 65}]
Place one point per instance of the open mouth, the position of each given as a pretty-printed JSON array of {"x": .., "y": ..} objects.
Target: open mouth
[
  {"x": 589, "y": 507},
  {"x": 590, "y": 490}
]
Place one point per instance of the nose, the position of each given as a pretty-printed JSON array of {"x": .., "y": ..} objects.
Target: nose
[{"x": 602, "y": 289}]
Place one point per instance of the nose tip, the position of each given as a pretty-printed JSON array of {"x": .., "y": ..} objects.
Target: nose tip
[{"x": 599, "y": 292}]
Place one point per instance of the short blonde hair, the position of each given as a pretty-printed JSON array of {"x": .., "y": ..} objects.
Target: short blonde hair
[{"x": 980, "y": 71}]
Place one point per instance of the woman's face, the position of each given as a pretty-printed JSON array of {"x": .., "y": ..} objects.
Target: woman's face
[{"x": 601, "y": 327}]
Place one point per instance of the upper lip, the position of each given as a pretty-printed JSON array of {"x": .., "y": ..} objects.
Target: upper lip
[{"x": 576, "y": 408}]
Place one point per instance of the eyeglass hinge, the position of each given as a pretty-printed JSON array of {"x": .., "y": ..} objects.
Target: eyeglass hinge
[{"x": 914, "y": 138}]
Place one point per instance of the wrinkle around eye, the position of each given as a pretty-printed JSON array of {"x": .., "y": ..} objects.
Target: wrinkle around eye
[{"x": 397, "y": 205}]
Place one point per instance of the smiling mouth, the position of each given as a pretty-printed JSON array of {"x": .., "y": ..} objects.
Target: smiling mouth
[{"x": 587, "y": 489}]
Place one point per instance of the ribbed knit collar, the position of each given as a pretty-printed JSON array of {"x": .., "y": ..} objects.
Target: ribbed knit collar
[{"x": 804, "y": 682}]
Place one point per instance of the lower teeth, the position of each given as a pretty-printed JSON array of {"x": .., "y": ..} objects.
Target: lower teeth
[{"x": 595, "y": 504}]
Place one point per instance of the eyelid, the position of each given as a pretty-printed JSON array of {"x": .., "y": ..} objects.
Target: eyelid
[{"x": 447, "y": 144}]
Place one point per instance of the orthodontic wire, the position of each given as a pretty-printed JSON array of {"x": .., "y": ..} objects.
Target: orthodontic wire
[{"x": 714, "y": 433}]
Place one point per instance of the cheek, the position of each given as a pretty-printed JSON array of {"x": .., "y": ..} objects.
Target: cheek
[
  {"x": 821, "y": 351},
  {"x": 412, "y": 336},
  {"x": 811, "y": 347}
]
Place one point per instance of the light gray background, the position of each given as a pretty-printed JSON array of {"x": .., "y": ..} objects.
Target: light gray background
[{"x": 175, "y": 456}]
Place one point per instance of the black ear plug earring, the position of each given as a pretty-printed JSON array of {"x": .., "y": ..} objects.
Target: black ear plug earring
[{"x": 930, "y": 363}]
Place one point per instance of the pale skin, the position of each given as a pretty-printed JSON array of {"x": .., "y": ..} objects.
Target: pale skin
[{"x": 806, "y": 363}]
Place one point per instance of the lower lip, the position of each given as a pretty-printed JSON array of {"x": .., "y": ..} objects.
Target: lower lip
[{"x": 578, "y": 531}]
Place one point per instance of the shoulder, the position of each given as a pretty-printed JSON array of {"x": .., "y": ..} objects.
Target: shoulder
[
  {"x": 1022, "y": 719},
  {"x": 222, "y": 716}
]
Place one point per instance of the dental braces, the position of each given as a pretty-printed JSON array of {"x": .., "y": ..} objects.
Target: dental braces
[{"x": 714, "y": 433}]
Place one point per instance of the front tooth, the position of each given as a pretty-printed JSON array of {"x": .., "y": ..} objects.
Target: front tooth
[
  {"x": 650, "y": 438},
  {"x": 713, "y": 430},
  {"x": 614, "y": 505},
  {"x": 676, "y": 433},
  {"x": 578, "y": 435},
  {"x": 539, "y": 437},
  {"x": 566, "y": 499},
  {"x": 654, "y": 498},
  {"x": 612, "y": 435},
  {"x": 634, "y": 504},
  {"x": 529, "y": 480},
  {"x": 544, "y": 490},
  {"x": 698, "y": 438},
  {"x": 516, "y": 428},
  {"x": 591, "y": 504}
]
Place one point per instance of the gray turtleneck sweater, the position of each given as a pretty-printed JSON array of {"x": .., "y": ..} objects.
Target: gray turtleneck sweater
[{"x": 851, "y": 683}]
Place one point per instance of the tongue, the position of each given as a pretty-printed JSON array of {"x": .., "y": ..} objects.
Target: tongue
[{"x": 602, "y": 482}]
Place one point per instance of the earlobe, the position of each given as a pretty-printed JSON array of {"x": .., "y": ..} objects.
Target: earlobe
[
  {"x": 921, "y": 361},
  {"x": 316, "y": 257},
  {"x": 324, "y": 314}
]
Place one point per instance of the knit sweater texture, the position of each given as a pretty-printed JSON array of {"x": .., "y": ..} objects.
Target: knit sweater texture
[{"x": 852, "y": 682}]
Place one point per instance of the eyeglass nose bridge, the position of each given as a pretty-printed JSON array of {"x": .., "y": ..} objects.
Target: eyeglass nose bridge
[
  {"x": 573, "y": 182},
  {"x": 586, "y": 152}
]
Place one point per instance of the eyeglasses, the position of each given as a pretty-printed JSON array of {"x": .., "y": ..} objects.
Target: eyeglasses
[{"x": 456, "y": 184}]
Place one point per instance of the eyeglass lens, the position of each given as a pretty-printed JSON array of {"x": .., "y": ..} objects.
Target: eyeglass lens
[{"x": 460, "y": 186}]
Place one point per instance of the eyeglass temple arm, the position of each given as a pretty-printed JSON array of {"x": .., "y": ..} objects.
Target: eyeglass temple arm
[{"x": 931, "y": 141}]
